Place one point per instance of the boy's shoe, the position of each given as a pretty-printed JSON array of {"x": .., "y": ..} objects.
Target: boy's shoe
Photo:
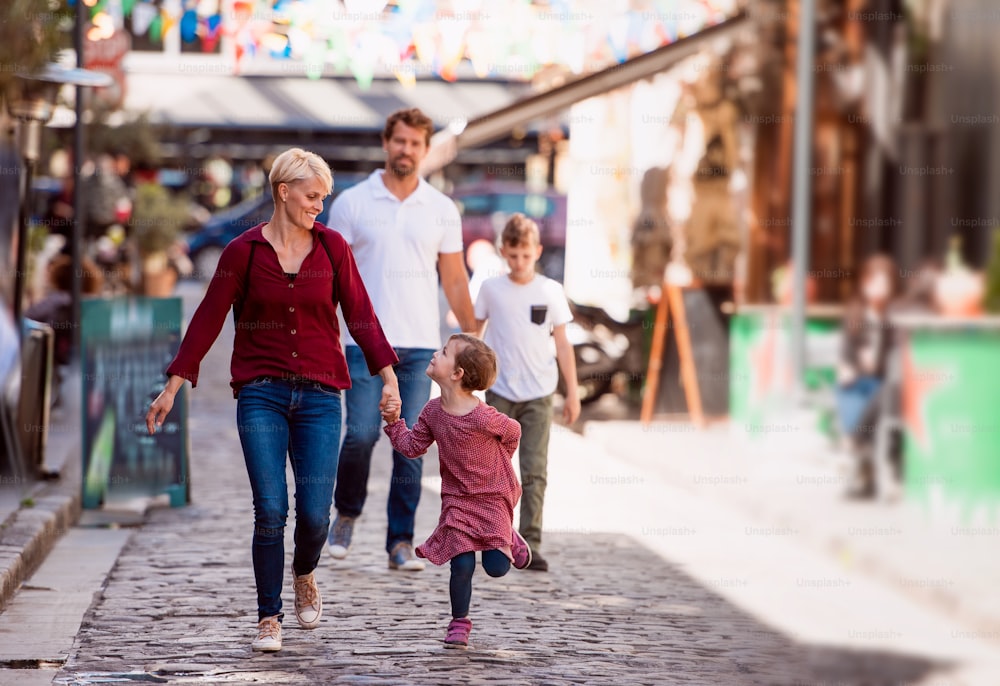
[
  {"x": 538, "y": 563},
  {"x": 521, "y": 551},
  {"x": 458, "y": 633},
  {"x": 268, "y": 636},
  {"x": 402, "y": 558},
  {"x": 340, "y": 536},
  {"x": 308, "y": 601}
]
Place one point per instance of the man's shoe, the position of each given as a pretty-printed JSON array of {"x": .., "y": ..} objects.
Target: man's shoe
[
  {"x": 268, "y": 636},
  {"x": 402, "y": 558},
  {"x": 538, "y": 563},
  {"x": 521, "y": 551},
  {"x": 308, "y": 601},
  {"x": 458, "y": 633},
  {"x": 340, "y": 536}
]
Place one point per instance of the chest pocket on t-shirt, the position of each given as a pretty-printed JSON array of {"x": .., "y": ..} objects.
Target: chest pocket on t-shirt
[{"x": 538, "y": 313}]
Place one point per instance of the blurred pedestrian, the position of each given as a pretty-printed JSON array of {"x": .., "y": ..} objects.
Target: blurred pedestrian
[
  {"x": 861, "y": 370},
  {"x": 403, "y": 233},
  {"x": 106, "y": 201},
  {"x": 478, "y": 486},
  {"x": 525, "y": 311},
  {"x": 284, "y": 280},
  {"x": 58, "y": 217},
  {"x": 56, "y": 307}
]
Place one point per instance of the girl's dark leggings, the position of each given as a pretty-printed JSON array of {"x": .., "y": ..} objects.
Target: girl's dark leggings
[{"x": 462, "y": 566}]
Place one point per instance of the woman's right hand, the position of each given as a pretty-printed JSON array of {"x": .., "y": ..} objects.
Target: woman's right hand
[{"x": 160, "y": 408}]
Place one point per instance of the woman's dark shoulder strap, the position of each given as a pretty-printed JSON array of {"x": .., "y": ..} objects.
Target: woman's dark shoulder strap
[
  {"x": 238, "y": 305},
  {"x": 333, "y": 264},
  {"x": 326, "y": 247}
]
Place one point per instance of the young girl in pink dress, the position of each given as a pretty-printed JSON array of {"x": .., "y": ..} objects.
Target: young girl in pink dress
[{"x": 478, "y": 486}]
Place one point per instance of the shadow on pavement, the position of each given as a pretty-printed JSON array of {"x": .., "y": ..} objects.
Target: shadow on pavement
[{"x": 610, "y": 612}]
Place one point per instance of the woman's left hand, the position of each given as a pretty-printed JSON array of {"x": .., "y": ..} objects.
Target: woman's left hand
[
  {"x": 390, "y": 399},
  {"x": 391, "y": 412},
  {"x": 390, "y": 389}
]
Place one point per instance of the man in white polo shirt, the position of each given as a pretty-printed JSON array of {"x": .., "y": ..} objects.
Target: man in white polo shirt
[{"x": 403, "y": 232}]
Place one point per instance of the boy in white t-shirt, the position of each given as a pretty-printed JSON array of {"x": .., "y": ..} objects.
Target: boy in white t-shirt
[{"x": 526, "y": 311}]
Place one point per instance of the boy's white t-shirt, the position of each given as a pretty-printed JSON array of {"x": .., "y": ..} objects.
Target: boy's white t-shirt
[
  {"x": 520, "y": 321},
  {"x": 396, "y": 246}
]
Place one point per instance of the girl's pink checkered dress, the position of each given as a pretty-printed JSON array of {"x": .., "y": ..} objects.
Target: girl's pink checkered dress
[{"x": 478, "y": 486}]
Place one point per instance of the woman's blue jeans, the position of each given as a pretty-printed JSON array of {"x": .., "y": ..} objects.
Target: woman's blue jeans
[
  {"x": 852, "y": 399},
  {"x": 276, "y": 419}
]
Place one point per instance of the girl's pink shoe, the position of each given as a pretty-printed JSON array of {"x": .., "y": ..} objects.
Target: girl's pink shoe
[
  {"x": 458, "y": 633},
  {"x": 521, "y": 551}
]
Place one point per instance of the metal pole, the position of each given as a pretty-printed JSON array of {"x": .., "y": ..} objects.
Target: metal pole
[
  {"x": 24, "y": 219},
  {"x": 76, "y": 235},
  {"x": 802, "y": 185}
]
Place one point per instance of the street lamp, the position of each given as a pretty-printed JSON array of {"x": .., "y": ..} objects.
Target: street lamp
[{"x": 31, "y": 102}]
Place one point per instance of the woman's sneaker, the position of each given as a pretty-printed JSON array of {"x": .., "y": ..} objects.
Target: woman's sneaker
[
  {"x": 521, "y": 551},
  {"x": 268, "y": 635},
  {"x": 458, "y": 633},
  {"x": 308, "y": 601}
]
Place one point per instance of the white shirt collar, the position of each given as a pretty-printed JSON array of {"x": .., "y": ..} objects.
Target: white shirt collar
[{"x": 379, "y": 189}]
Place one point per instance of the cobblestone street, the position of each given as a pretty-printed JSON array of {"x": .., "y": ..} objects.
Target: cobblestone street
[
  {"x": 181, "y": 601},
  {"x": 179, "y": 606}
]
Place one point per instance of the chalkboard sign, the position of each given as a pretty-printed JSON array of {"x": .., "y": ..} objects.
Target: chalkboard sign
[
  {"x": 126, "y": 343},
  {"x": 706, "y": 328}
]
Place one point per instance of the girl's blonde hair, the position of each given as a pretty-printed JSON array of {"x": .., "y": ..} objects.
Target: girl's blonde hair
[
  {"x": 296, "y": 164},
  {"x": 477, "y": 361}
]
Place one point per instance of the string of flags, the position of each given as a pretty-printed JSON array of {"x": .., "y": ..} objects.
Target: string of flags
[{"x": 509, "y": 39}]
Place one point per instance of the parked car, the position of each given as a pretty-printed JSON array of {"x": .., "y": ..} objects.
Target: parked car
[
  {"x": 485, "y": 208},
  {"x": 205, "y": 245}
]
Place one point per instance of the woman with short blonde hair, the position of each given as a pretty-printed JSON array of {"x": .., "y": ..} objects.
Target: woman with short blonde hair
[
  {"x": 284, "y": 280},
  {"x": 296, "y": 164}
]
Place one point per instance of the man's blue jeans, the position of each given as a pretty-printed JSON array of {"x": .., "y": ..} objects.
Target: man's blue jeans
[
  {"x": 276, "y": 419},
  {"x": 363, "y": 429}
]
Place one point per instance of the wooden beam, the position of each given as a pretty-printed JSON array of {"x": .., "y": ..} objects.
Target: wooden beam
[{"x": 501, "y": 122}]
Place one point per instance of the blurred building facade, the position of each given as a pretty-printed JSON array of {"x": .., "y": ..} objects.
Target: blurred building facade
[{"x": 905, "y": 140}]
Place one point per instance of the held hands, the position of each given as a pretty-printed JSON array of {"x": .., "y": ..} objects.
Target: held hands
[
  {"x": 391, "y": 412},
  {"x": 390, "y": 405}
]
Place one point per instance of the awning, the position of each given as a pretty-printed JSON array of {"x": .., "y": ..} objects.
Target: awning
[{"x": 270, "y": 102}]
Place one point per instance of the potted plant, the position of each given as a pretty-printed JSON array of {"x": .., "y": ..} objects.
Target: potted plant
[
  {"x": 157, "y": 222},
  {"x": 959, "y": 291}
]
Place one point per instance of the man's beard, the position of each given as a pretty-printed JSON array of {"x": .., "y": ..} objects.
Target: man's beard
[{"x": 402, "y": 171}]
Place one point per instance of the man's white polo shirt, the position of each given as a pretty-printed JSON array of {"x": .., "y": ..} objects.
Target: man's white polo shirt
[{"x": 396, "y": 245}]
